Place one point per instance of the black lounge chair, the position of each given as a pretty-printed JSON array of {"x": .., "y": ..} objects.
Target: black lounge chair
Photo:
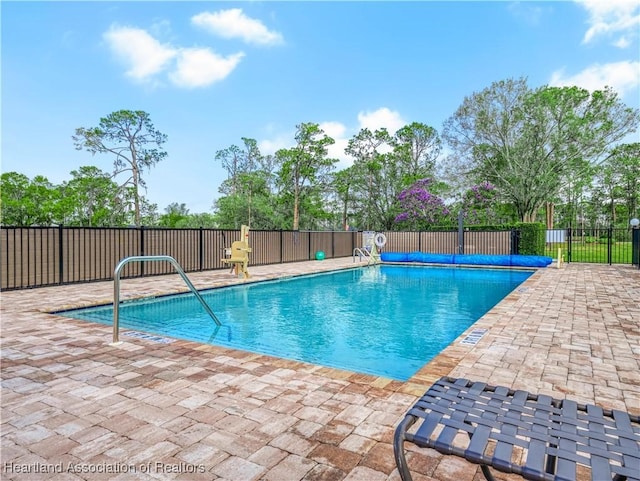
[{"x": 535, "y": 436}]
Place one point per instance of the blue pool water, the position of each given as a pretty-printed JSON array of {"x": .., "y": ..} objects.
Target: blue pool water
[{"x": 383, "y": 320}]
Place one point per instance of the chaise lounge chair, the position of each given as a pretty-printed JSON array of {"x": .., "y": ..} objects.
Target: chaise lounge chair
[{"x": 535, "y": 436}]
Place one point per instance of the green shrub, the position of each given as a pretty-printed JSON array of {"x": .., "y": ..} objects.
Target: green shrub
[
  {"x": 622, "y": 235},
  {"x": 488, "y": 228},
  {"x": 532, "y": 238},
  {"x": 604, "y": 239}
]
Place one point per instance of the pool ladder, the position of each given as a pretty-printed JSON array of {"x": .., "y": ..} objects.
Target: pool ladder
[
  {"x": 363, "y": 253},
  {"x": 116, "y": 289}
]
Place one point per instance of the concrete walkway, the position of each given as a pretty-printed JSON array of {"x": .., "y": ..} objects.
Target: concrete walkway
[{"x": 76, "y": 408}]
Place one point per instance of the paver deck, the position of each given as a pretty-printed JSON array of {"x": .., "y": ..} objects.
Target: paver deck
[{"x": 76, "y": 408}]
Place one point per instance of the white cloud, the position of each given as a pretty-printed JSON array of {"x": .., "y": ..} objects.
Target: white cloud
[
  {"x": 271, "y": 146},
  {"x": 611, "y": 18},
  {"x": 199, "y": 67},
  {"x": 333, "y": 129},
  {"x": 233, "y": 23},
  {"x": 145, "y": 59},
  {"x": 381, "y": 118},
  {"x": 142, "y": 54},
  {"x": 623, "y": 77},
  {"x": 622, "y": 42}
]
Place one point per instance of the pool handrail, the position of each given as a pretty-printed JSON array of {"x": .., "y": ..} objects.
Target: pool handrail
[
  {"x": 363, "y": 253},
  {"x": 116, "y": 289}
]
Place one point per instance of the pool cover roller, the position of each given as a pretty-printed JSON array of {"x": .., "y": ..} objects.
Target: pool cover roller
[{"x": 468, "y": 259}]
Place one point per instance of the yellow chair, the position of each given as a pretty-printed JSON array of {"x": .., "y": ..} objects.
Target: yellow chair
[{"x": 239, "y": 259}]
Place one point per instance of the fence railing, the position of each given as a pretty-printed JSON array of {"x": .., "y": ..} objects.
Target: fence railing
[
  {"x": 44, "y": 256},
  {"x": 604, "y": 246}
]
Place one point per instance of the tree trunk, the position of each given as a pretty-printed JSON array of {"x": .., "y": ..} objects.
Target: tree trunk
[
  {"x": 136, "y": 197},
  {"x": 296, "y": 214},
  {"x": 345, "y": 225},
  {"x": 249, "y": 220},
  {"x": 549, "y": 207}
]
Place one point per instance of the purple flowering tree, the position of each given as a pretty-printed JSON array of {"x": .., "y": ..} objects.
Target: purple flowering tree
[
  {"x": 419, "y": 207},
  {"x": 479, "y": 204}
]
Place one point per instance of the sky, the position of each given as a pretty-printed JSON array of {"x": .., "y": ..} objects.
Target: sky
[{"x": 210, "y": 73}]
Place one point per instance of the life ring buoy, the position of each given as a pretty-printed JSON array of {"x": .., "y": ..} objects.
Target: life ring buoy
[{"x": 380, "y": 239}]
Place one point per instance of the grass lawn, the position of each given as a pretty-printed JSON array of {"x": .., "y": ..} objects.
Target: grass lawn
[{"x": 592, "y": 252}]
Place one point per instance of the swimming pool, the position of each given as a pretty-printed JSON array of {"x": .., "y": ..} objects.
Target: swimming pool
[{"x": 383, "y": 320}]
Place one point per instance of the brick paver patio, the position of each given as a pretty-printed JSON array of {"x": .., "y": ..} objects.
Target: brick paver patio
[{"x": 74, "y": 407}]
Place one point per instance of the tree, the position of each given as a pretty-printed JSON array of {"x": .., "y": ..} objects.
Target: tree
[
  {"x": 304, "y": 169},
  {"x": 417, "y": 146},
  {"x": 374, "y": 189},
  {"x": 90, "y": 198},
  {"x": 237, "y": 161},
  {"x": 247, "y": 189},
  {"x": 343, "y": 187},
  {"x": 252, "y": 204},
  {"x": 28, "y": 202},
  {"x": 13, "y": 189},
  {"x": 174, "y": 214},
  {"x": 530, "y": 143},
  {"x": 621, "y": 174},
  {"x": 131, "y": 137},
  {"x": 384, "y": 166},
  {"x": 478, "y": 204},
  {"x": 420, "y": 208},
  {"x": 195, "y": 221}
]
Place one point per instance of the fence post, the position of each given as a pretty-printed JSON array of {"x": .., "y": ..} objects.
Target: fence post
[
  {"x": 460, "y": 232},
  {"x": 142, "y": 250},
  {"x": 201, "y": 248},
  {"x": 635, "y": 246},
  {"x": 60, "y": 255},
  {"x": 515, "y": 242},
  {"x": 333, "y": 244},
  {"x": 609, "y": 244}
]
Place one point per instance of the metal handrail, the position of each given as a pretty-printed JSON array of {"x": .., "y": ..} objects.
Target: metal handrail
[
  {"x": 116, "y": 289},
  {"x": 362, "y": 254}
]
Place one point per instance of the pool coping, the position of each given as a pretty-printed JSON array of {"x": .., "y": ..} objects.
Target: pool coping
[{"x": 432, "y": 370}]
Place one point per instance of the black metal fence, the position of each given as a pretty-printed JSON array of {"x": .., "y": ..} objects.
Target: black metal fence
[
  {"x": 635, "y": 250},
  {"x": 604, "y": 246},
  {"x": 45, "y": 256}
]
